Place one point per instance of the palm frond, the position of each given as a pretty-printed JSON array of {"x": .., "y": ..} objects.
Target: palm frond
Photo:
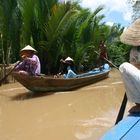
[{"x": 58, "y": 24}]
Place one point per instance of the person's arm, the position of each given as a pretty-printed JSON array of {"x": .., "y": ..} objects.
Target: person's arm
[
  {"x": 62, "y": 61},
  {"x": 32, "y": 59},
  {"x": 20, "y": 66}
]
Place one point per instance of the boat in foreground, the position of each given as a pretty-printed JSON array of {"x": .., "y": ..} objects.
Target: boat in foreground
[
  {"x": 126, "y": 129},
  {"x": 45, "y": 83}
]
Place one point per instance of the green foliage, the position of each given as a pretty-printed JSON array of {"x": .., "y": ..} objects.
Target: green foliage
[
  {"x": 10, "y": 22},
  {"x": 119, "y": 53},
  {"x": 135, "y": 5},
  {"x": 54, "y": 31},
  {"x": 57, "y": 30}
]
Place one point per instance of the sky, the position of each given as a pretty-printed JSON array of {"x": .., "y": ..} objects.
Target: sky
[{"x": 115, "y": 11}]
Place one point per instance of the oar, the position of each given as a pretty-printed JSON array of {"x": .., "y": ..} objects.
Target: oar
[
  {"x": 124, "y": 101},
  {"x": 1, "y": 80},
  {"x": 122, "y": 109}
]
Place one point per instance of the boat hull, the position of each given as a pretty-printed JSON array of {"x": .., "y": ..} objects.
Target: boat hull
[
  {"x": 127, "y": 129},
  {"x": 44, "y": 83}
]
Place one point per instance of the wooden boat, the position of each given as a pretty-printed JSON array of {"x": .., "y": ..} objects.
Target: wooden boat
[
  {"x": 126, "y": 129},
  {"x": 44, "y": 83}
]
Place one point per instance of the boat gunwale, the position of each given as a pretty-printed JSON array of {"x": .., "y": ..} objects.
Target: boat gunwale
[{"x": 67, "y": 79}]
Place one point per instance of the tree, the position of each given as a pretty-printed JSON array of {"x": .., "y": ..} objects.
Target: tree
[
  {"x": 10, "y": 23},
  {"x": 54, "y": 30},
  {"x": 135, "y": 4}
]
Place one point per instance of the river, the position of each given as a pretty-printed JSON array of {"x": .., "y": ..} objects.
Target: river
[{"x": 83, "y": 114}]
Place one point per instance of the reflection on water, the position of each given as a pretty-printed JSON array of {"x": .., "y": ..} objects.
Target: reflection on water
[{"x": 84, "y": 114}]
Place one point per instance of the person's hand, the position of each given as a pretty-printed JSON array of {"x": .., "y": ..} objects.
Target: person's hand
[
  {"x": 23, "y": 56},
  {"x": 62, "y": 61}
]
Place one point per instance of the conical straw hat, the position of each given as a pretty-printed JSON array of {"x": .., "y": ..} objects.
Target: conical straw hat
[
  {"x": 28, "y": 48},
  {"x": 68, "y": 59},
  {"x": 131, "y": 36}
]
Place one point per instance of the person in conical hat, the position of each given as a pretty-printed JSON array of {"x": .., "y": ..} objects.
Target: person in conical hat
[
  {"x": 67, "y": 60},
  {"x": 30, "y": 62},
  {"x": 67, "y": 68},
  {"x": 130, "y": 71}
]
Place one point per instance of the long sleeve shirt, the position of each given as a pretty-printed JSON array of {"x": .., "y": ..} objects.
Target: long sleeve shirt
[{"x": 30, "y": 65}]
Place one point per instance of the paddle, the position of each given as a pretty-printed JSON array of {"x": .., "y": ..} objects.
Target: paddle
[
  {"x": 122, "y": 109},
  {"x": 124, "y": 102},
  {"x": 1, "y": 80}
]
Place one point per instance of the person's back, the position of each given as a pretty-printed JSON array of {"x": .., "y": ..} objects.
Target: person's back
[
  {"x": 130, "y": 71},
  {"x": 38, "y": 69},
  {"x": 131, "y": 76}
]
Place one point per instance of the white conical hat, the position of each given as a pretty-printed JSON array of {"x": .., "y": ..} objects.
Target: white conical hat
[
  {"x": 68, "y": 59},
  {"x": 28, "y": 48},
  {"x": 131, "y": 35}
]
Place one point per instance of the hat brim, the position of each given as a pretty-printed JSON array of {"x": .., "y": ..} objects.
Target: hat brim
[
  {"x": 68, "y": 59},
  {"x": 28, "y": 48}
]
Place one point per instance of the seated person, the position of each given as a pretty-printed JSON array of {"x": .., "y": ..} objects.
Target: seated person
[
  {"x": 31, "y": 63},
  {"x": 70, "y": 73},
  {"x": 68, "y": 70},
  {"x": 131, "y": 77}
]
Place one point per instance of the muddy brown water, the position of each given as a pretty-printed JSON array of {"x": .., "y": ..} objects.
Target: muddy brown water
[{"x": 83, "y": 114}]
